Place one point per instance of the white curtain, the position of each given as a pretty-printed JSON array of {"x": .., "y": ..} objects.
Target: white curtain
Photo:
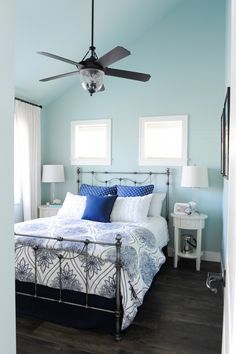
[{"x": 27, "y": 125}]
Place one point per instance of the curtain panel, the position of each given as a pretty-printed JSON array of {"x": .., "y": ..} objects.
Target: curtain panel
[{"x": 27, "y": 125}]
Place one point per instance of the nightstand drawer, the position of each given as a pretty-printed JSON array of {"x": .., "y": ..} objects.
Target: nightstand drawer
[{"x": 192, "y": 224}]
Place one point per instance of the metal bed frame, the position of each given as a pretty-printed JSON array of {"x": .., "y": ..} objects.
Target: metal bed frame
[{"x": 59, "y": 253}]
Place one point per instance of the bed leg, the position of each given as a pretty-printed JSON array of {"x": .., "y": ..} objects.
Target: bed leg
[{"x": 117, "y": 334}]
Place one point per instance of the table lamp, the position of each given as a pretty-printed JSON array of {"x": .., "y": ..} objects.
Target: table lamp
[
  {"x": 53, "y": 174},
  {"x": 194, "y": 177}
]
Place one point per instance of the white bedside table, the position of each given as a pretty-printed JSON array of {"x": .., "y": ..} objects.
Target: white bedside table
[
  {"x": 46, "y": 211},
  {"x": 188, "y": 222}
]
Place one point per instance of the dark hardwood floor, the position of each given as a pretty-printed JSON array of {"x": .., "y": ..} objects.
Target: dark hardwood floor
[{"x": 179, "y": 315}]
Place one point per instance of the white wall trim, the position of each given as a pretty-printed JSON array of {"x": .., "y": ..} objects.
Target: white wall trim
[
  {"x": 207, "y": 255},
  {"x": 211, "y": 256}
]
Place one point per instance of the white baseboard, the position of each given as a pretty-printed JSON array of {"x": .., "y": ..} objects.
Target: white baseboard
[
  {"x": 207, "y": 255},
  {"x": 211, "y": 256}
]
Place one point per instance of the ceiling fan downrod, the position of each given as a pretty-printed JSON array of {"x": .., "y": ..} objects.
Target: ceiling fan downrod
[{"x": 92, "y": 48}]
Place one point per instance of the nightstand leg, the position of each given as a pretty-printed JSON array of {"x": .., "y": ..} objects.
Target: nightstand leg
[
  {"x": 199, "y": 248},
  {"x": 176, "y": 247}
]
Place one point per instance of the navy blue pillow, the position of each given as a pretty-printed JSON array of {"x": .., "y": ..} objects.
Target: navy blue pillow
[
  {"x": 134, "y": 191},
  {"x": 87, "y": 189},
  {"x": 99, "y": 208}
]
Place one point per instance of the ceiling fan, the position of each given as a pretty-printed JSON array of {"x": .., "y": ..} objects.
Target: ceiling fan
[{"x": 92, "y": 69}]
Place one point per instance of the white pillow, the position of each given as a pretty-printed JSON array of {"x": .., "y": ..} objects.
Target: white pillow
[
  {"x": 156, "y": 204},
  {"x": 133, "y": 209},
  {"x": 73, "y": 206}
]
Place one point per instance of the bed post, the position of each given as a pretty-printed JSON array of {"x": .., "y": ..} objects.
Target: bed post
[
  {"x": 60, "y": 256},
  {"x": 35, "y": 248},
  {"x": 168, "y": 194},
  {"x": 118, "y": 292},
  {"x": 86, "y": 243},
  {"x": 78, "y": 177}
]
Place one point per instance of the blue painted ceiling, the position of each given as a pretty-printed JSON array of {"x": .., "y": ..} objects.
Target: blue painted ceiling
[{"x": 62, "y": 27}]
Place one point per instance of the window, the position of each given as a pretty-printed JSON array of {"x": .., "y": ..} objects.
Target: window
[
  {"x": 91, "y": 142},
  {"x": 163, "y": 140}
]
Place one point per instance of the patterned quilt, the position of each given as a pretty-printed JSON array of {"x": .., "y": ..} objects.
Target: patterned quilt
[{"x": 141, "y": 258}]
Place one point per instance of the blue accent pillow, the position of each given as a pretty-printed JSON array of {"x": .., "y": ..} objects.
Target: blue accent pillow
[
  {"x": 99, "y": 208},
  {"x": 134, "y": 191},
  {"x": 87, "y": 189}
]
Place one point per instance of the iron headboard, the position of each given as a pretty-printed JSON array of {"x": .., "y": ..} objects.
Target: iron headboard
[{"x": 96, "y": 176}]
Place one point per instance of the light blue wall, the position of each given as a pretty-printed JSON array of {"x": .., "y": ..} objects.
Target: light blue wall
[
  {"x": 7, "y": 300},
  {"x": 185, "y": 56}
]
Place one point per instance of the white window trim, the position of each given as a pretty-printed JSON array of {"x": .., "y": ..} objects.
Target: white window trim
[
  {"x": 163, "y": 161},
  {"x": 91, "y": 161}
]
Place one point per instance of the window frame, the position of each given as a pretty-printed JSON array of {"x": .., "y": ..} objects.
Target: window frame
[
  {"x": 163, "y": 161},
  {"x": 91, "y": 160}
]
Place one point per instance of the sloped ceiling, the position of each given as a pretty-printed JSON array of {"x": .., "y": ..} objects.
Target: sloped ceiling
[{"x": 62, "y": 27}]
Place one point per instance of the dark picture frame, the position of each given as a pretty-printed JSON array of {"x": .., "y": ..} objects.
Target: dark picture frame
[{"x": 225, "y": 122}]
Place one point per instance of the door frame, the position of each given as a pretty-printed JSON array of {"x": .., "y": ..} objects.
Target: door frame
[{"x": 229, "y": 317}]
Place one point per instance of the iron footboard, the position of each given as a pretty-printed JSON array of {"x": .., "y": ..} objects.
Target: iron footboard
[{"x": 117, "y": 244}]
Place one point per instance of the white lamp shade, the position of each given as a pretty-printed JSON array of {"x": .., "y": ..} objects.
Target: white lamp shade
[
  {"x": 53, "y": 173},
  {"x": 194, "y": 177}
]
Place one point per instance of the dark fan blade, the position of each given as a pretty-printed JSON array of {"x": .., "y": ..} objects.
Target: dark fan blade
[
  {"x": 114, "y": 55},
  {"x": 59, "y": 76},
  {"x": 132, "y": 75},
  {"x": 58, "y": 58}
]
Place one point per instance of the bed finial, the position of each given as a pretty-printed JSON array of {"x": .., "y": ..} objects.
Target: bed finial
[{"x": 92, "y": 177}]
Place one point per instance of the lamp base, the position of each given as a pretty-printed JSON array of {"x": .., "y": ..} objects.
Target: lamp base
[{"x": 52, "y": 196}]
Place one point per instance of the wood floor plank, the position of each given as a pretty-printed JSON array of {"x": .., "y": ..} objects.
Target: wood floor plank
[
  {"x": 179, "y": 316},
  {"x": 26, "y": 345},
  {"x": 26, "y": 325}
]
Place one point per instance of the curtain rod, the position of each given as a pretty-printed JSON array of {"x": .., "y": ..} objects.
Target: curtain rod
[{"x": 32, "y": 104}]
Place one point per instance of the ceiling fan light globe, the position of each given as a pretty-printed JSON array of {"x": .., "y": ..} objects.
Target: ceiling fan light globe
[{"x": 91, "y": 79}]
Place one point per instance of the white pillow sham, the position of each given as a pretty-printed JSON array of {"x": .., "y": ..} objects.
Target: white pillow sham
[
  {"x": 133, "y": 209},
  {"x": 156, "y": 204},
  {"x": 73, "y": 206}
]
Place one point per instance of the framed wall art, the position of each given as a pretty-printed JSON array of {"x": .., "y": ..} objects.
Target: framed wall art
[{"x": 225, "y": 124}]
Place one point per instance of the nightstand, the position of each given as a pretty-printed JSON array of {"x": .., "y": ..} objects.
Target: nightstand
[
  {"x": 46, "y": 211},
  {"x": 188, "y": 222}
]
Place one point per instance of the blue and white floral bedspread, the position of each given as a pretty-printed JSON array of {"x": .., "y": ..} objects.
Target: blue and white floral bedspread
[{"x": 141, "y": 258}]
